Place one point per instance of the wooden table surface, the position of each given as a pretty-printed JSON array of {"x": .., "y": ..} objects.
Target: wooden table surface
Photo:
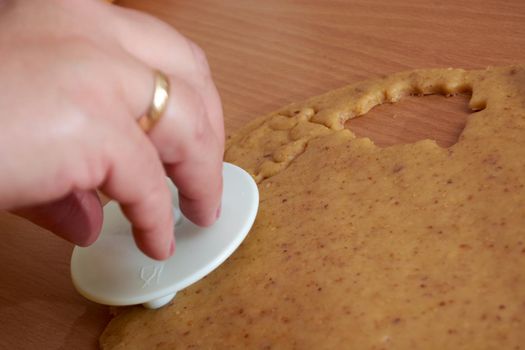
[{"x": 265, "y": 54}]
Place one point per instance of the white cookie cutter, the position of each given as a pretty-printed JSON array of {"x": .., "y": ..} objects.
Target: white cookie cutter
[{"x": 113, "y": 271}]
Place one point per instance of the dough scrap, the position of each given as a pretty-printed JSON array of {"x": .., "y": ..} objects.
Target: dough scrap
[{"x": 356, "y": 246}]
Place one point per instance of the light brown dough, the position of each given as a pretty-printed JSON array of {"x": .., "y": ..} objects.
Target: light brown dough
[{"x": 359, "y": 247}]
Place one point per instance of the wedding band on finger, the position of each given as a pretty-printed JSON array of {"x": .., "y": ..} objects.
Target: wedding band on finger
[{"x": 158, "y": 104}]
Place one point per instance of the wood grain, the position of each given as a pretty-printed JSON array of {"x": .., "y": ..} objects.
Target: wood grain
[
  {"x": 265, "y": 54},
  {"x": 414, "y": 118}
]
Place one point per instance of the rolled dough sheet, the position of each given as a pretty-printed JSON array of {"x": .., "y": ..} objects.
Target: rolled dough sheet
[{"x": 405, "y": 247}]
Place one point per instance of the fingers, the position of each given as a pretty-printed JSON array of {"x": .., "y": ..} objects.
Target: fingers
[
  {"x": 200, "y": 204},
  {"x": 192, "y": 154},
  {"x": 190, "y": 135},
  {"x": 184, "y": 142},
  {"x": 76, "y": 218},
  {"x": 172, "y": 53}
]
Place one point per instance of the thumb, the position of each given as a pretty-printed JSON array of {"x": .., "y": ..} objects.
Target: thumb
[{"x": 77, "y": 217}]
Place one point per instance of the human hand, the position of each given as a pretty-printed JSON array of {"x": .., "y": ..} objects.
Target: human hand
[{"x": 74, "y": 78}]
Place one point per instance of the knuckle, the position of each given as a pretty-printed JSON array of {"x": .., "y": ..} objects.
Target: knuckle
[
  {"x": 200, "y": 130},
  {"x": 199, "y": 126},
  {"x": 200, "y": 58},
  {"x": 156, "y": 199},
  {"x": 93, "y": 174}
]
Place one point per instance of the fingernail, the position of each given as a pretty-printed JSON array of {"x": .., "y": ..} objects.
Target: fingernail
[{"x": 219, "y": 209}]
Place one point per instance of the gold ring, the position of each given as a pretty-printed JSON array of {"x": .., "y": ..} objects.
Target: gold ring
[{"x": 158, "y": 104}]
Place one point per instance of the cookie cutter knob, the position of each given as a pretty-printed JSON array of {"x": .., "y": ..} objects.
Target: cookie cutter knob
[{"x": 159, "y": 302}]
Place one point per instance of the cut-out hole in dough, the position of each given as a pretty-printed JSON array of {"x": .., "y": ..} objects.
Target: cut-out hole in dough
[{"x": 414, "y": 118}]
